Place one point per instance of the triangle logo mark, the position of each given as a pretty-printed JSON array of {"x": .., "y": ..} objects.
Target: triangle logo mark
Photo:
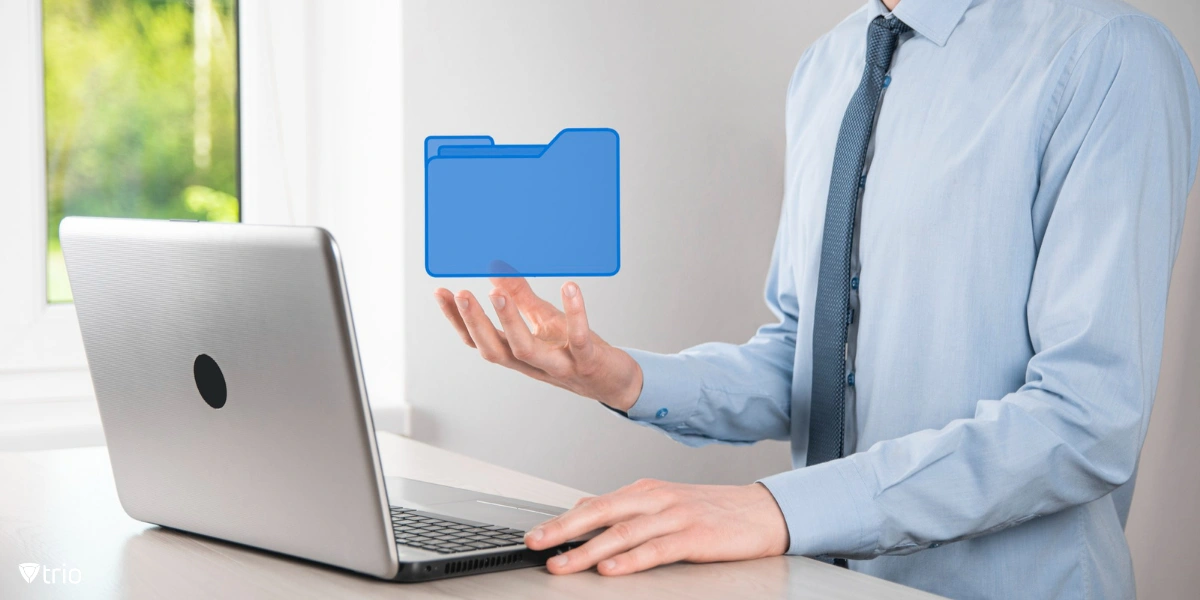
[{"x": 29, "y": 571}]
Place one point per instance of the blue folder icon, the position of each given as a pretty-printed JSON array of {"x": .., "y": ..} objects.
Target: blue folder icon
[{"x": 523, "y": 210}]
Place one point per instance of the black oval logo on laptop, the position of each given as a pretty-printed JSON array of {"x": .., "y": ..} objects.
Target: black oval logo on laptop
[{"x": 209, "y": 380}]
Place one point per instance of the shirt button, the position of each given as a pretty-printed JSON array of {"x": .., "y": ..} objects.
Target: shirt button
[
  {"x": 850, "y": 379},
  {"x": 887, "y": 80},
  {"x": 935, "y": 545},
  {"x": 854, "y": 283},
  {"x": 662, "y": 412}
]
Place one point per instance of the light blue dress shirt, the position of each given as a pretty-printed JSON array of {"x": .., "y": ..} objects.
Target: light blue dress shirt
[{"x": 1020, "y": 219}]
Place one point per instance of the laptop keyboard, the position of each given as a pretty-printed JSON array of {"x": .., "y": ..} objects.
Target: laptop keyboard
[{"x": 445, "y": 536}]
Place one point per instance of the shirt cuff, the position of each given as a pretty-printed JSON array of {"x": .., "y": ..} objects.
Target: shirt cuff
[
  {"x": 829, "y": 509},
  {"x": 670, "y": 391}
]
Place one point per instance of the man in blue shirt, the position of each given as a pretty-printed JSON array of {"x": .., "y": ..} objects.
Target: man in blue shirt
[{"x": 983, "y": 203}]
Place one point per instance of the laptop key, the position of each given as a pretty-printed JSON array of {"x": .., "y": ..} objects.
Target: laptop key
[{"x": 429, "y": 532}]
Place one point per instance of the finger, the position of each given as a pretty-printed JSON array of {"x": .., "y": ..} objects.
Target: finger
[
  {"x": 658, "y": 551},
  {"x": 617, "y": 539},
  {"x": 522, "y": 344},
  {"x": 491, "y": 347},
  {"x": 480, "y": 327},
  {"x": 599, "y": 512},
  {"x": 579, "y": 335},
  {"x": 445, "y": 302},
  {"x": 530, "y": 305}
]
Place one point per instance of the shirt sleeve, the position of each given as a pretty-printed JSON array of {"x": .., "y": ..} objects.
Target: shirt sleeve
[
  {"x": 1120, "y": 157},
  {"x": 736, "y": 394}
]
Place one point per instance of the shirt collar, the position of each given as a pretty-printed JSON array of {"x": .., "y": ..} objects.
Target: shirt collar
[{"x": 934, "y": 19}]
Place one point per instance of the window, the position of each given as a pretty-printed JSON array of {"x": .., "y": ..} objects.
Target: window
[
  {"x": 99, "y": 107},
  {"x": 141, "y": 114}
]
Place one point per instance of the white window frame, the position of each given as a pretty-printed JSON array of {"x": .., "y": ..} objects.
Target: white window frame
[
  {"x": 320, "y": 145},
  {"x": 41, "y": 355}
]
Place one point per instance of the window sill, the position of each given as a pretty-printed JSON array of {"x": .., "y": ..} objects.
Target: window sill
[{"x": 50, "y": 424}]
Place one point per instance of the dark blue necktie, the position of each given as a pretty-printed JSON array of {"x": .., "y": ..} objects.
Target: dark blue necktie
[{"x": 826, "y": 432}]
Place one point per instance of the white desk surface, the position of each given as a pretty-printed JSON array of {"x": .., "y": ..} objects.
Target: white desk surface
[{"x": 60, "y": 508}]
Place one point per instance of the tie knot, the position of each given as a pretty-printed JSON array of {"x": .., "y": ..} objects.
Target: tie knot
[{"x": 882, "y": 37}]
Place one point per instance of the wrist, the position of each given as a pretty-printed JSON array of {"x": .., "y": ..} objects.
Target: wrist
[
  {"x": 629, "y": 393},
  {"x": 779, "y": 538}
]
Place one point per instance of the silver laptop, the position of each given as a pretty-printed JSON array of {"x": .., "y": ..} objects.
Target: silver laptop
[{"x": 226, "y": 371}]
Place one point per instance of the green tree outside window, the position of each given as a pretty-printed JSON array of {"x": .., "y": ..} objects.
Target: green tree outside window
[{"x": 141, "y": 114}]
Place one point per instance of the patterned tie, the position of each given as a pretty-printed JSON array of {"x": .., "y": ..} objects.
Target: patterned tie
[{"x": 826, "y": 431}]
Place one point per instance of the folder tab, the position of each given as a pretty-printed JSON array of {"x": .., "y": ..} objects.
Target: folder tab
[{"x": 523, "y": 210}]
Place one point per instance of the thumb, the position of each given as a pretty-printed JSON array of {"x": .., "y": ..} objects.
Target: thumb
[{"x": 579, "y": 334}]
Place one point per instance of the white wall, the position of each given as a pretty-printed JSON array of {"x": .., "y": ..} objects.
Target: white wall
[{"x": 696, "y": 91}]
